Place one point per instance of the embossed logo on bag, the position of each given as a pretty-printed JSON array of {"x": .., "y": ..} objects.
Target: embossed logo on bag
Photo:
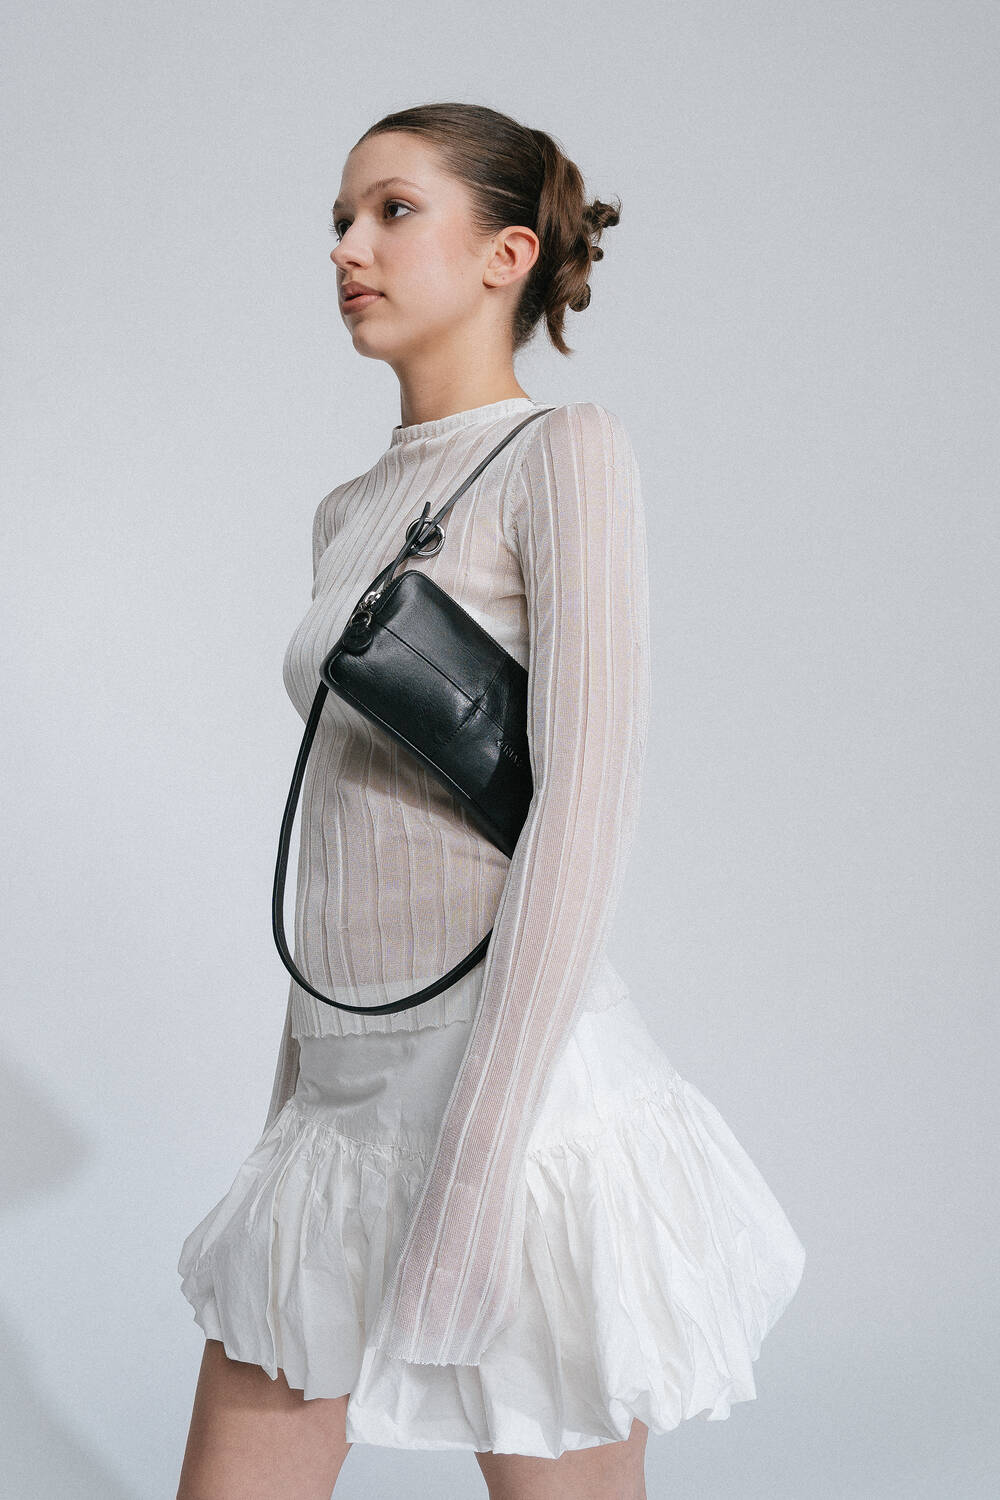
[{"x": 511, "y": 753}]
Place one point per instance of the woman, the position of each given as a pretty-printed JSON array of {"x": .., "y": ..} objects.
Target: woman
[{"x": 498, "y": 1220}]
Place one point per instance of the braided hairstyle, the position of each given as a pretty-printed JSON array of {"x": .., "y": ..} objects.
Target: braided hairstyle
[{"x": 516, "y": 175}]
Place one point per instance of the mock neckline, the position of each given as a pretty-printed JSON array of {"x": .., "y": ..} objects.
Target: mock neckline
[{"x": 441, "y": 425}]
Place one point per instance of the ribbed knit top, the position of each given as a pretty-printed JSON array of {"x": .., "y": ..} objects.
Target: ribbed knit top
[{"x": 547, "y": 551}]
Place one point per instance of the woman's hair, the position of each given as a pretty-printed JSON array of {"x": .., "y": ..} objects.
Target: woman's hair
[{"x": 516, "y": 175}]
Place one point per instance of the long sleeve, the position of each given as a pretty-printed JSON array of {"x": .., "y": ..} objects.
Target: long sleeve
[
  {"x": 286, "y": 1070},
  {"x": 575, "y": 508}
]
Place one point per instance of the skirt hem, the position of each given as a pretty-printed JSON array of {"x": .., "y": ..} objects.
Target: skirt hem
[{"x": 719, "y": 1411}]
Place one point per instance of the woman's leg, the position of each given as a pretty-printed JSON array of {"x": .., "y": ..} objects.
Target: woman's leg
[
  {"x": 611, "y": 1471},
  {"x": 253, "y": 1438}
]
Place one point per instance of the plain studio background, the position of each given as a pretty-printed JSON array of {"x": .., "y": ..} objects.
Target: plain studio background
[{"x": 796, "y": 319}]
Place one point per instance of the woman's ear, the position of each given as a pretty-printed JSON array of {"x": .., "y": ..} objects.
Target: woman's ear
[{"x": 515, "y": 251}]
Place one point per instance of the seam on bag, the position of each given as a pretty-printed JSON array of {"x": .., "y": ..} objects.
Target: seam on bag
[{"x": 473, "y": 702}]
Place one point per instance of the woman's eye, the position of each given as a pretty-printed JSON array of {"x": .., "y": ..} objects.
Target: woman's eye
[{"x": 389, "y": 203}]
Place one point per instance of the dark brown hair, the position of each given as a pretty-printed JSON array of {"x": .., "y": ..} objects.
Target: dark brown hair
[{"x": 516, "y": 175}]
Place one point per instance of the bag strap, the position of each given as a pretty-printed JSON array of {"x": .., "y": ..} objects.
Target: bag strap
[
  {"x": 426, "y": 528},
  {"x": 419, "y": 532}
]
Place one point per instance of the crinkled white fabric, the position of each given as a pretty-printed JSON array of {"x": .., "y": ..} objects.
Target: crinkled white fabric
[{"x": 655, "y": 1256}]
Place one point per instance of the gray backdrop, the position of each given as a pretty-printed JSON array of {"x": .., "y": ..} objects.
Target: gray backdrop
[{"x": 796, "y": 319}]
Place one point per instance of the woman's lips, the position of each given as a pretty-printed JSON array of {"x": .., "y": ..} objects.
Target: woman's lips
[{"x": 355, "y": 304}]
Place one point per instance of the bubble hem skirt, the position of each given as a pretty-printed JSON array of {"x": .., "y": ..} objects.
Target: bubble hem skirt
[{"x": 656, "y": 1257}]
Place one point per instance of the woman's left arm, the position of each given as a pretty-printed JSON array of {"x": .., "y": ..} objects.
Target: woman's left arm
[
  {"x": 576, "y": 511},
  {"x": 286, "y": 1069}
]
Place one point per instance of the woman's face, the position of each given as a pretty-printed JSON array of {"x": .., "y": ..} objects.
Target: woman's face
[{"x": 412, "y": 242}]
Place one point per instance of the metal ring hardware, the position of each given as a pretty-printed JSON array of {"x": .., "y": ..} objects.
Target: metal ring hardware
[{"x": 432, "y": 543}]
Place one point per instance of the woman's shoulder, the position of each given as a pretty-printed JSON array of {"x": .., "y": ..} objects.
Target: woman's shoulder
[
  {"x": 579, "y": 460},
  {"x": 577, "y": 434},
  {"x": 583, "y": 424}
]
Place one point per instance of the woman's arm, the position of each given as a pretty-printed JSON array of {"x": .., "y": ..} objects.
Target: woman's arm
[
  {"x": 577, "y": 514},
  {"x": 286, "y": 1070}
]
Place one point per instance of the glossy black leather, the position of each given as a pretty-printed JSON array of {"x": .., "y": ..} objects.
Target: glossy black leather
[
  {"x": 414, "y": 662},
  {"x": 443, "y": 688}
]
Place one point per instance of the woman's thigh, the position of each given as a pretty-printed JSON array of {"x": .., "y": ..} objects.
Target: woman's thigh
[
  {"x": 611, "y": 1471},
  {"x": 253, "y": 1438}
]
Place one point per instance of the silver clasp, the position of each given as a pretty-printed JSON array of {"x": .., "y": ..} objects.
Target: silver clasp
[{"x": 434, "y": 540}]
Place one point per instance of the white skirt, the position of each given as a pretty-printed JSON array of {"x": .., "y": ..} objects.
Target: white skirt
[{"x": 656, "y": 1258}]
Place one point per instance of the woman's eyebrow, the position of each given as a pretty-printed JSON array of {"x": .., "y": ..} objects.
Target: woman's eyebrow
[{"x": 377, "y": 187}]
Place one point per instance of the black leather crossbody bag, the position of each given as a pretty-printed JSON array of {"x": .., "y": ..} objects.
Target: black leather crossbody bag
[{"x": 414, "y": 662}]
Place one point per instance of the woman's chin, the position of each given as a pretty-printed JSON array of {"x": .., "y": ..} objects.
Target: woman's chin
[{"x": 372, "y": 348}]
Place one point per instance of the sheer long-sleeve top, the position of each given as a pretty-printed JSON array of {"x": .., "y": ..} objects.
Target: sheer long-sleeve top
[{"x": 547, "y": 551}]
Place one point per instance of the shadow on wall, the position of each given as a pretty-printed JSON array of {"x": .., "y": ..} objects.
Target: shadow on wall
[{"x": 42, "y": 1454}]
